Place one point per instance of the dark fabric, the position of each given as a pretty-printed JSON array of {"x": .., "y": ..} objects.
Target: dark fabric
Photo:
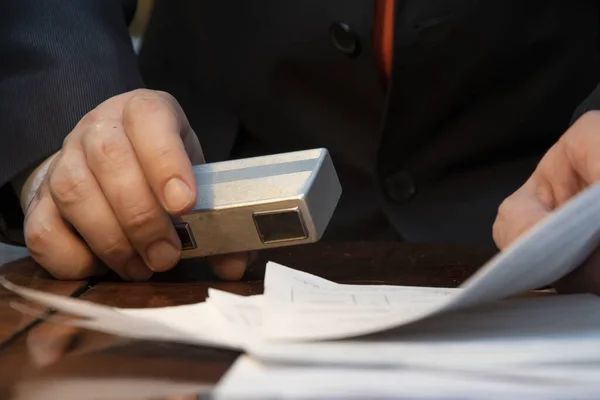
[
  {"x": 60, "y": 58},
  {"x": 267, "y": 78},
  {"x": 479, "y": 90}
]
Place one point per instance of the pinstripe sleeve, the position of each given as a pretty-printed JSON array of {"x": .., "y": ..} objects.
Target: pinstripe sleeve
[{"x": 60, "y": 58}]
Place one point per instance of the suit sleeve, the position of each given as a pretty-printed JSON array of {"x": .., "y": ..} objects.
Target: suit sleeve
[{"x": 59, "y": 59}]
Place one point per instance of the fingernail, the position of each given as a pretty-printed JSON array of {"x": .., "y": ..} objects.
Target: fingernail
[
  {"x": 177, "y": 194},
  {"x": 162, "y": 255},
  {"x": 137, "y": 270}
]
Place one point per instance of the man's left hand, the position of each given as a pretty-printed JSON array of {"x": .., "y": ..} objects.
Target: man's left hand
[{"x": 571, "y": 165}]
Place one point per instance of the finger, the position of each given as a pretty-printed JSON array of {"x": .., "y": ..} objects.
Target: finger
[
  {"x": 157, "y": 128},
  {"x": 555, "y": 180},
  {"x": 53, "y": 244},
  {"x": 230, "y": 267},
  {"x": 581, "y": 147},
  {"x": 148, "y": 227},
  {"x": 80, "y": 201},
  {"x": 517, "y": 214},
  {"x": 569, "y": 165}
]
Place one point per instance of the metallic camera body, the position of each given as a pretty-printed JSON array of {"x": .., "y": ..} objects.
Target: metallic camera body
[{"x": 259, "y": 203}]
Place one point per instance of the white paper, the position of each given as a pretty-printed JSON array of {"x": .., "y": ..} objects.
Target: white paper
[
  {"x": 298, "y": 307},
  {"x": 195, "y": 323},
  {"x": 250, "y": 379},
  {"x": 240, "y": 311},
  {"x": 528, "y": 331},
  {"x": 518, "y": 331},
  {"x": 224, "y": 320},
  {"x": 301, "y": 308}
]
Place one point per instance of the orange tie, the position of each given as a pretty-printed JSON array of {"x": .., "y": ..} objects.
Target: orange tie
[{"x": 384, "y": 35}]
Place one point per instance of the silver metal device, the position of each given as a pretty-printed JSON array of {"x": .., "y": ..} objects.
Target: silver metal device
[{"x": 260, "y": 202}]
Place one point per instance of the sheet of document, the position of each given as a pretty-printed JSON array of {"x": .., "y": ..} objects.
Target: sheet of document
[
  {"x": 523, "y": 331},
  {"x": 554, "y": 329},
  {"x": 298, "y": 307},
  {"x": 224, "y": 320},
  {"x": 513, "y": 332},
  {"x": 251, "y": 379},
  {"x": 528, "y": 331}
]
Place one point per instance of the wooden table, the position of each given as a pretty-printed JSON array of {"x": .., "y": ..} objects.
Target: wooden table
[{"x": 44, "y": 360}]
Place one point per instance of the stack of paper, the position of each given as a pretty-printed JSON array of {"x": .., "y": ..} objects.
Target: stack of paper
[{"x": 306, "y": 336}]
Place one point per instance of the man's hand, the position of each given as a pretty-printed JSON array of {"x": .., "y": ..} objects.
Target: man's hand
[
  {"x": 571, "y": 165},
  {"x": 108, "y": 193}
]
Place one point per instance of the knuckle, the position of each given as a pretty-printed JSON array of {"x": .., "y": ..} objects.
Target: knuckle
[
  {"x": 101, "y": 126},
  {"x": 38, "y": 237},
  {"x": 145, "y": 102},
  {"x": 92, "y": 118},
  {"x": 68, "y": 183},
  {"x": 142, "y": 92},
  {"x": 42, "y": 243},
  {"x": 70, "y": 274},
  {"x": 158, "y": 95},
  {"x": 143, "y": 219},
  {"x": 97, "y": 122},
  {"x": 115, "y": 251},
  {"x": 169, "y": 98},
  {"x": 108, "y": 146},
  {"x": 112, "y": 148}
]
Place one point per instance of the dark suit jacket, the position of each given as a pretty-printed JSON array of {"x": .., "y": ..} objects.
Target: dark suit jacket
[{"x": 478, "y": 91}]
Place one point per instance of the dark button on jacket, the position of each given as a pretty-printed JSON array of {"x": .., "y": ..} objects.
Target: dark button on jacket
[
  {"x": 344, "y": 39},
  {"x": 399, "y": 186}
]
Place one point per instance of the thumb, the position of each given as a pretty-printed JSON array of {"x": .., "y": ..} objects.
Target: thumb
[{"x": 230, "y": 267}]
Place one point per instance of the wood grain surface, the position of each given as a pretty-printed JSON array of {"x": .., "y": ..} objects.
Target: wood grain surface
[
  {"x": 17, "y": 267},
  {"x": 54, "y": 361}
]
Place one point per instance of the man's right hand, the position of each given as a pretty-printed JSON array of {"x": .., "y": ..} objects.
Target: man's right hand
[{"x": 108, "y": 193}]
